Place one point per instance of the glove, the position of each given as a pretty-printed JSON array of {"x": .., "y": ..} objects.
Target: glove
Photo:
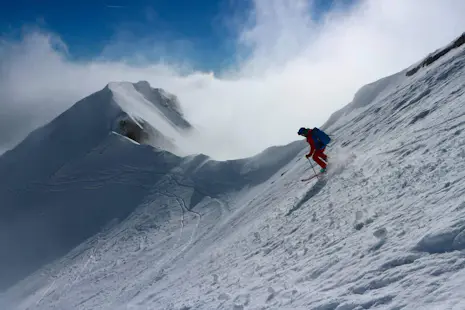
[{"x": 308, "y": 155}]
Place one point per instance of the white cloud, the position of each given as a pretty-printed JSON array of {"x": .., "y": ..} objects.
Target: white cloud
[{"x": 299, "y": 71}]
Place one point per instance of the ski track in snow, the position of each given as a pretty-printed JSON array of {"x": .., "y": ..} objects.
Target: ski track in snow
[{"x": 384, "y": 230}]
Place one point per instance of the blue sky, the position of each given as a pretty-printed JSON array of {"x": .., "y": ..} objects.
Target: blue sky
[{"x": 202, "y": 33}]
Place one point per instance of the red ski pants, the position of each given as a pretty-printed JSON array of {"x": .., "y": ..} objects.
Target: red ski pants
[{"x": 319, "y": 156}]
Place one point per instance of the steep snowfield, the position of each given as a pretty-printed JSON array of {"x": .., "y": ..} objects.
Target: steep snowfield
[{"x": 384, "y": 230}]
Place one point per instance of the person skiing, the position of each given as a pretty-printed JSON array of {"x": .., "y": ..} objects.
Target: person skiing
[{"x": 318, "y": 141}]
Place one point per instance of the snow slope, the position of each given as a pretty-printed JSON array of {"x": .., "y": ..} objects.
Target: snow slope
[{"x": 384, "y": 230}]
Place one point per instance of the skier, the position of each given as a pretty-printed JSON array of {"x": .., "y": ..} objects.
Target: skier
[{"x": 318, "y": 141}]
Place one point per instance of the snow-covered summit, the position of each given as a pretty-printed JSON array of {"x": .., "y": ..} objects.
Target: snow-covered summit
[
  {"x": 167, "y": 103},
  {"x": 156, "y": 112},
  {"x": 110, "y": 120},
  {"x": 137, "y": 111},
  {"x": 127, "y": 95}
]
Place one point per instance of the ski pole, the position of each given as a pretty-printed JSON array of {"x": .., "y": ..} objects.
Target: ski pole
[{"x": 311, "y": 165}]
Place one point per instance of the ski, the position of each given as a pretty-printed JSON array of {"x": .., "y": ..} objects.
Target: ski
[{"x": 312, "y": 177}]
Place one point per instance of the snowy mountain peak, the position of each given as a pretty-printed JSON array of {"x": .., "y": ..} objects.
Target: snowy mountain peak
[
  {"x": 102, "y": 130},
  {"x": 167, "y": 104},
  {"x": 118, "y": 108},
  {"x": 158, "y": 96}
]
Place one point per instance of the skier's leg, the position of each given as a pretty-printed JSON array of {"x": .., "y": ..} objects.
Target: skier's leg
[
  {"x": 317, "y": 155},
  {"x": 323, "y": 155}
]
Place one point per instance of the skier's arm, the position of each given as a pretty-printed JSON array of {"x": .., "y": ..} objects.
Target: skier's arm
[{"x": 312, "y": 148}]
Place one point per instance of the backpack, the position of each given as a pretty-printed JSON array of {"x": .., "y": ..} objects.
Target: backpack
[{"x": 320, "y": 135}]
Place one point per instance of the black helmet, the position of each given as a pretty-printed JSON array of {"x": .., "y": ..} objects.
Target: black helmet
[{"x": 302, "y": 131}]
